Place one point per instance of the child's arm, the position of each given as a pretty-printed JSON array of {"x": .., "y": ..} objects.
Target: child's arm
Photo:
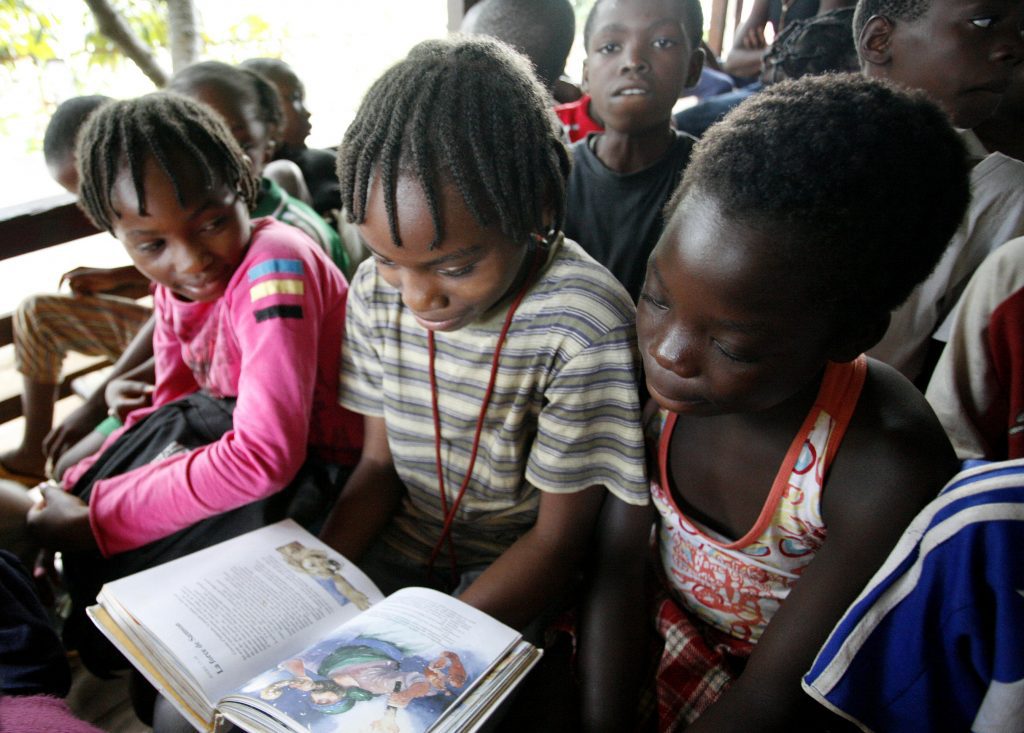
[
  {"x": 370, "y": 497},
  {"x": 125, "y": 281},
  {"x": 894, "y": 459},
  {"x": 136, "y": 360},
  {"x": 744, "y": 60},
  {"x": 613, "y": 623},
  {"x": 530, "y": 574},
  {"x": 155, "y": 348},
  {"x": 282, "y": 343}
]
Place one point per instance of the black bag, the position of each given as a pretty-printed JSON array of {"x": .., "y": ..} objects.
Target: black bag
[{"x": 193, "y": 421}]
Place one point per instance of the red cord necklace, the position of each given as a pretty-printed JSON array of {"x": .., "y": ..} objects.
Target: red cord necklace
[{"x": 449, "y": 513}]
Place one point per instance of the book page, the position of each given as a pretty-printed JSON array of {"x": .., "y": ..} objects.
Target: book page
[
  {"x": 475, "y": 708},
  {"x": 397, "y": 667},
  {"x": 231, "y": 611},
  {"x": 100, "y": 617}
]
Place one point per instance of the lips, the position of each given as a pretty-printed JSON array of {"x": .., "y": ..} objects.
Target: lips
[
  {"x": 683, "y": 399},
  {"x": 670, "y": 397},
  {"x": 207, "y": 287},
  {"x": 994, "y": 90},
  {"x": 632, "y": 90},
  {"x": 202, "y": 290},
  {"x": 448, "y": 324}
]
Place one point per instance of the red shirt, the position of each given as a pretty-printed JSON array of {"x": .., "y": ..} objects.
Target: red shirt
[{"x": 576, "y": 119}]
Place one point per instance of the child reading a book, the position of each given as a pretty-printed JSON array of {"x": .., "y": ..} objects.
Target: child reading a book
[
  {"x": 249, "y": 315},
  {"x": 787, "y": 464},
  {"x": 493, "y": 359}
]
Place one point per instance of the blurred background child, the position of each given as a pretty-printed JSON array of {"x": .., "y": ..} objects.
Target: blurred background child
[
  {"x": 965, "y": 62},
  {"x": 317, "y": 165},
  {"x": 100, "y": 317},
  {"x": 640, "y": 55}
]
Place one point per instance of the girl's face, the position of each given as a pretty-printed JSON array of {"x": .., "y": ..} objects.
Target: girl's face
[
  {"x": 720, "y": 322},
  {"x": 455, "y": 283},
  {"x": 192, "y": 248},
  {"x": 243, "y": 119}
]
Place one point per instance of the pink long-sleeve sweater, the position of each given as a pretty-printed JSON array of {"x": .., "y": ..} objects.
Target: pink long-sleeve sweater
[{"x": 273, "y": 341}]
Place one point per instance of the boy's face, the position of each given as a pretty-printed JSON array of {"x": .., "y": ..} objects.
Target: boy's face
[
  {"x": 960, "y": 52},
  {"x": 194, "y": 248},
  {"x": 457, "y": 282},
  {"x": 719, "y": 328},
  {"x": 296, "y": 116},
  {"x": 639, "y": 60}
]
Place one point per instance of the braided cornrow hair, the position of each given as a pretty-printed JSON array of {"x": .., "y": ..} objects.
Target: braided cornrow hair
[
  {"x": 468, "y": 111},
  {"x": 167, "y": 128}
]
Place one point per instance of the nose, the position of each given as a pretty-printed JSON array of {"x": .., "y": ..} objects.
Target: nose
[
  {"x": 634, "y": 58},
  {"x": 192, "y": 257},
  {"x": 421, "y": 293},
  {"x": 679, "y": 351},
  {"x": 1011, "y": 45}
]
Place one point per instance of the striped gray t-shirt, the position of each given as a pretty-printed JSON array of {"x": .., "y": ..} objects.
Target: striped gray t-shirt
[{"x": 564, "y": 414}]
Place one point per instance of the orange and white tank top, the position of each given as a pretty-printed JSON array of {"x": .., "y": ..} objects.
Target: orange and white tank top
[{"x": 736, "y": 586}]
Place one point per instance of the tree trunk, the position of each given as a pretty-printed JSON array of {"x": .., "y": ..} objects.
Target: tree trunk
[
  {"x": 184, "y": 35},
  {"x": 114, "y": 27}
]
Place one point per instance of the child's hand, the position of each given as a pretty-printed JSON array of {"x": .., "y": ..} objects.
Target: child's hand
[
  {"x": 125, "y": 395},
  {"x": 755, "y": 39},
  {"x": 74, "y": 427},
  {"x": 60, "y": 521},
  {"x": 91, "y": 280}
]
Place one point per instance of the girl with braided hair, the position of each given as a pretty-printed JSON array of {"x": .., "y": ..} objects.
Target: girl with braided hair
[{"x": 492, "y": 358}]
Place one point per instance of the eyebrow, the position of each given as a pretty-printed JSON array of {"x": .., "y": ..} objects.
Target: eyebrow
[
  {"x": 208, "y": 204},
  {"x": 754, "y": 328},
  {"x": 458, "y": 254},
  {"x": 619, "y": 27},
  {"x": 657, "y": 272}
]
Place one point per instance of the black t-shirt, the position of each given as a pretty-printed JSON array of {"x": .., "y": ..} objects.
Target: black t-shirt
[
  {"x": 617, "y": 217},
  {"x": 320, "y": 171}
]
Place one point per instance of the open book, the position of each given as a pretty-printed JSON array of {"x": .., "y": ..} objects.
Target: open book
[{"x": 275, "y": 631}]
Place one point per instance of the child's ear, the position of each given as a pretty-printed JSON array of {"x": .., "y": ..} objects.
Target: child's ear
[
  {"x": 695, "y": 67},
  {"x": 858, "y": 337},
  {"x": 874, "y": 45}
]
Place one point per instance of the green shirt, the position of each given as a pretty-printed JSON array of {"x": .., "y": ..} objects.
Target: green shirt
[{"x": 275, "y": 202}]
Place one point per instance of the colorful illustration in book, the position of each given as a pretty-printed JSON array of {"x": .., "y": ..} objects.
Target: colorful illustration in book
[
  {"x": 325, "y": 570},
  {"x": 372, "y": 674}
]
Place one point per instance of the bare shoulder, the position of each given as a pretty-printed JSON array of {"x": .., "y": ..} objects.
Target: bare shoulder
[{"x": 895, "y": 453}]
